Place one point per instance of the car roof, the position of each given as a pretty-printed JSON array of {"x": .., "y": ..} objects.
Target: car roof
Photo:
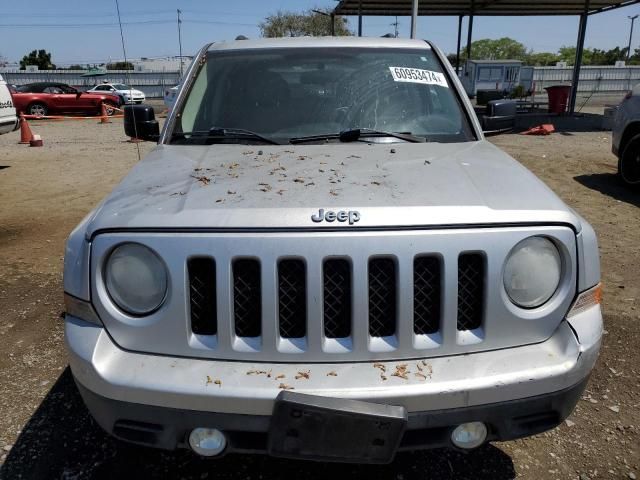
[
  {"x": 327, "y": 42},
  {"x": 42, "y": 85}
]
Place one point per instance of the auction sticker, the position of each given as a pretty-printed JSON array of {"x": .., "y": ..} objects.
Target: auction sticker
[{"x": 417, "y": 75}]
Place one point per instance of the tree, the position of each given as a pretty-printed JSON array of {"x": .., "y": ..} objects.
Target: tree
[
  {"x": 120, "y": 66},
  {"x": 501, "y": 49},
  {"x": 75, "y": 67},
  {"x": 567, "y": 54},
  {"x": 41, "y": 58},
  {"x": 309, "y": 23},
  {"x": 542, "y": 59}
]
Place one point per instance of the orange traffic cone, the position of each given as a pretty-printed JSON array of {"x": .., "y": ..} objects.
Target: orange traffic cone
[
  {"x": 104, "y": 118},
  {"x": 25, "y": 131}
]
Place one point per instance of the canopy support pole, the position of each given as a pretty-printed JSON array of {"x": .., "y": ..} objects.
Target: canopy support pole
[
  {"x": 582, "y": 30},
  {"x": 360, "y": 19},
  {"x": 414, "y": 18},
  {"x": 459, "y": 41},
  {"x": 469, "y": 34}
]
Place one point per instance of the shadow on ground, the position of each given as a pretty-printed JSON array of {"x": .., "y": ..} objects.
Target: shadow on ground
[
  {"x": 61, "y": 441},
  {"x": 610, "y": 184}
]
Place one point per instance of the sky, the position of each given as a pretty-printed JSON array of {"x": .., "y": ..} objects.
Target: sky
[{"x": 65, "y": 28}]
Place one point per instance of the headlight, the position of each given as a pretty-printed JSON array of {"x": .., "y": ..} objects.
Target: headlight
[
  {"x": 532, "y": 272},
  {"x": 136, "y": 279}
]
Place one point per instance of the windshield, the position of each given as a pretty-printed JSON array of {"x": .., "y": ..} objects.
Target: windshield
[
  {"x": 293, "y": 93},
  {"x": 121, "y": 86}
]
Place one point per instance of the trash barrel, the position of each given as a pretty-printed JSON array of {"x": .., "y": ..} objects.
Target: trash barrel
[{"x": 558, "y": 98}]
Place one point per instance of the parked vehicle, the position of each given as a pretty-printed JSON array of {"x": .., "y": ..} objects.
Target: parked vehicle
[
  {"x": 126, "y": 93},
  {"x": 170, "y": 96},
  {"x": 8, "y": 117},
  {"x": 625, "y": 136},
  {"x": 323, "y": 258},
  {"x": 48, "y": 98}
]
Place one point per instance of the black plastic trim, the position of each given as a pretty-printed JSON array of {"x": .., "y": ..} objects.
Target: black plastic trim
[{"x": 424, "y": 430}]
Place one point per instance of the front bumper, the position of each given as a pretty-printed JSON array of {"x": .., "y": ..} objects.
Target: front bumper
[{"x": 172, "y": 395}]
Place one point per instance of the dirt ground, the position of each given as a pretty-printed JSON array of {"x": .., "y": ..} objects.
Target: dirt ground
[{"x": 46, "y": 433}]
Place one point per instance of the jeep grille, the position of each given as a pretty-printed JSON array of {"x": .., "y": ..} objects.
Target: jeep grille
[
  {"x": 347, "y": 296},
  {"x": 337, "y": 296}
]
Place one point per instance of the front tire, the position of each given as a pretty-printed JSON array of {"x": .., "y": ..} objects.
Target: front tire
[
  {"x": 38, "y": 110},
  {"x": 629, "y": 163}
]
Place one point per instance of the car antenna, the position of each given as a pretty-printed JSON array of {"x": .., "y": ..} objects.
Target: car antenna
[{"x": 128, "y": 75}]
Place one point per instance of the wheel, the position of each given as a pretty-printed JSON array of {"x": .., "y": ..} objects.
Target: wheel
[
  {"x": 121, "y": 100},
  {"x": 629, "y": 163},
  {"x": 110, "y": 108},
  {"x": 38, "y": 109}
]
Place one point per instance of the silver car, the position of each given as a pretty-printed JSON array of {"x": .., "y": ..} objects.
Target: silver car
[
  {"x": 324, "y": 259},
  {"x": 626, "y": 137}
]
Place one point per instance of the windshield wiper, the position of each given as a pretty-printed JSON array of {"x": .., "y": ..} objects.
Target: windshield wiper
[
  {"x": 354, "y": 134},
  {"x": 227, "y": 133}
]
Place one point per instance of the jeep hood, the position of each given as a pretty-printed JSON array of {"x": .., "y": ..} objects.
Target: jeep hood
[{"x": 390, "y": 185}]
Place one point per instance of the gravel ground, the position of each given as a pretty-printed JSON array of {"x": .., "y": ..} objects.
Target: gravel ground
[{"x": 46, "y": 433}]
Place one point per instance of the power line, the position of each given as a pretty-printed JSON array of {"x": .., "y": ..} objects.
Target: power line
[
  {"x": 125, "y": 14},
  {"x": 80, "y": 25},
  {"x": 109, "y": 25}
]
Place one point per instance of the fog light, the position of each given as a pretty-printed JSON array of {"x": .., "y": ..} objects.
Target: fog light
[
  {"x": 469, "y": 435},
  {"x": 207, "y": 442}
]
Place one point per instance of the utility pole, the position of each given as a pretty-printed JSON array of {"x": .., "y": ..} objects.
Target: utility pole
[
  {"x": 633, "y": 19},
  {"x": 180, "y": 40},
  {"x": 395, "y": 25}
]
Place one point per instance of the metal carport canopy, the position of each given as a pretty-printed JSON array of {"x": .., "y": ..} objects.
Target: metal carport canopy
[
  {"x": 471, "y": 8},
  {"x": 478, "y": 7}
]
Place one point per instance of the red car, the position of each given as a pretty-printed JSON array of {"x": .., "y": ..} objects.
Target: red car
[{"x": 47, "y": 98}]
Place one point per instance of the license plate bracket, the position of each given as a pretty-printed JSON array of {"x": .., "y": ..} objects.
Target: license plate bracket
[{"x": 333, "y": 429}]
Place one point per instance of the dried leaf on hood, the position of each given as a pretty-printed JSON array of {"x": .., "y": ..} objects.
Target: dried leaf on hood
[
  {"x": 202, "y": 179},
  {"x": 303, "y": 374}
]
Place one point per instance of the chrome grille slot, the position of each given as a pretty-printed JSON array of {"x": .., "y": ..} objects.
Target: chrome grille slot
[
  {"x": 292, "y": 298},
  {"x": 202, "y": 295},
  {"x": 471, "y": 290},
  {"x": 247, "y": 298},
  {"x": 426, "y": 295},
  {"x": 382, "y": 297},
  {"x": 337, "y": 298}
]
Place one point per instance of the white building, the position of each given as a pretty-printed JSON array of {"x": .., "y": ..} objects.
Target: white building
[{"x": 161, "y": 64}]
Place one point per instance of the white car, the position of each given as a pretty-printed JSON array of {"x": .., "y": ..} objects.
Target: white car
[
  {"x": 126, "y": 93},
  {"x": 8, "y": 119},
  {"x": 170, "y": 96}
]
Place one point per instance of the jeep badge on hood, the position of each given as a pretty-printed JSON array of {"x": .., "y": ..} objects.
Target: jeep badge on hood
[{"x": 342, "y": 216}]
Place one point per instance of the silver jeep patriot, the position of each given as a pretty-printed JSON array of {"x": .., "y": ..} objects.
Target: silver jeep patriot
[{"x": 324, "y": 259}]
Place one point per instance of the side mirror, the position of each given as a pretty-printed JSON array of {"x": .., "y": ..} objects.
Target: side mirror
[
  {"x": 140, "y": 122},
  {"x": 500, "y": 116}
]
